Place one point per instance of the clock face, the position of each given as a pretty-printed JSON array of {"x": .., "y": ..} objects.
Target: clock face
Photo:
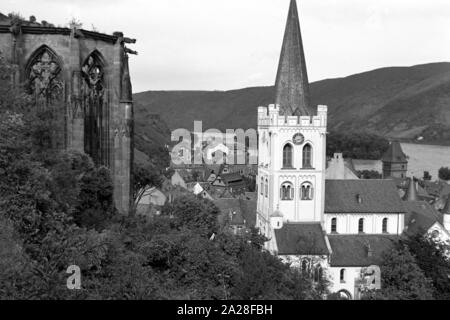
[{"x": 298, "y": 138}]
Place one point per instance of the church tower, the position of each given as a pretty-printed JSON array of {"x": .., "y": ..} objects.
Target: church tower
[
  {"x": 292, "y": 143},
  {"x": 395, "y": 162}
]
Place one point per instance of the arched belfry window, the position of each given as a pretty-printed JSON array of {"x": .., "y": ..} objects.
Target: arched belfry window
[
  {"x": 287, "y": 191},
  {"x": 307, "y": 156},
  {"x": 95, "y": 109},
  {"x": 287, "y": 156},
  {"x": 262, "y": 186},
  {"x": 306, "y": 191},
  {"x": 385, "y": 225}
]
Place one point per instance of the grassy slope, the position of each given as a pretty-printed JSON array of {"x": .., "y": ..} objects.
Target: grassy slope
[{"x": 400, "y": 102}]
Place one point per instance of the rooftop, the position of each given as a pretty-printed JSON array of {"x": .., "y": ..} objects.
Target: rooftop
[
  {"x": 420, "y": 217},
  {"x": 353, "y": 250},
  {"x": 362, "y": 196},
  {"x": 394, "y": 153},
  {"x": 301, "y": 239}
]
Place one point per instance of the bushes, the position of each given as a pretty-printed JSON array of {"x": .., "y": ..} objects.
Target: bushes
[{"x": 356, "y": 145}]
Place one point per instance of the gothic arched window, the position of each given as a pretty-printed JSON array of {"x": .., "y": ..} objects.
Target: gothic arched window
[
  {"x": 304, "y": 267},
  {"x": 306, "y": 191},
  {"x": 307, "y": 156},
  {"x": 318, "y": 273},
  {"x": 385, "y": 225},
  {"x": 287, "y": 191},
  {"x": 44, "y": 76},
  {"x": 287, "y": 156},
  {"x": 46, "y": 85},
  {"x": 95, "y": 117},
  {"x": 361, "y": 225},
  {"x": 334, "y": 225}
]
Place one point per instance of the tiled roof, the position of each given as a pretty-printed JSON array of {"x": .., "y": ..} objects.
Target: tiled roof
[
  {"x": 394, "y": 153},
  {"x": 377, "y": 196},
  {"x": 352, "y": 250},
  {"x": 244, "y": 211},
  {"x": 438, "y": 188},
  {"x": 301, "y": 239},
  {"x": 420, "y": 217},
  {"x": 231, "y": 177}
]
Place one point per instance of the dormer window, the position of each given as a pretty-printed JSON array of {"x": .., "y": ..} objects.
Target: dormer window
[{"x": 358, "y": 198}]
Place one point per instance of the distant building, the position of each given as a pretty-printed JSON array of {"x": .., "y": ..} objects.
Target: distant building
[
  {"x": 338, "y": 169},
  {"x": 395, "y": 162},
  {"x": 238, "y": 215},
  {"x": 232, "y": 181}
]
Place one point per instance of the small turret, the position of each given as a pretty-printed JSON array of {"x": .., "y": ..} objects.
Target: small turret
[
  {"x": 276, "y": 219},
  {"x": 395, "y": 162}
]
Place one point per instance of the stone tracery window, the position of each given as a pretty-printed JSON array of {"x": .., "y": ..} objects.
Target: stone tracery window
[
  {"x": 44, "y": 76},
  {"x": 95, "y": 111},
  {"x": 46, "y": 84}
]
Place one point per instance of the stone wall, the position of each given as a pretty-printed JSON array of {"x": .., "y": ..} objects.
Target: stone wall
[{"x": 88, "y": 74}]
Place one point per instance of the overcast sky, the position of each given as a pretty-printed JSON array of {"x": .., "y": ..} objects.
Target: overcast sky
[{"x": 230, "y": 44}]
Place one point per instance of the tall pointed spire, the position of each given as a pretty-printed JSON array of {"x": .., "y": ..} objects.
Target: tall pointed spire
[{"x": 291, "y": 86}]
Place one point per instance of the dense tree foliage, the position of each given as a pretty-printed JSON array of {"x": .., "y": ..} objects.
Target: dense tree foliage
[
  {"x": 369, "y": 174},
  {"x": 356, "y": 145},
  {"x": 444, "y": 173},
  {"x": 402, "y": 278},
  {"x": 431, "y": 254},
  {"x": 56, "y": 210}
]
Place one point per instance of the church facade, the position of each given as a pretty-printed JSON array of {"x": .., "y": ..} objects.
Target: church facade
[
  {"x": 334, "y": 227},
  {"x": 83, "y": 78}
]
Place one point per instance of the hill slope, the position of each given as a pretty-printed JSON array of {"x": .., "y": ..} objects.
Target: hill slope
[{"x": 400, "y": 102}]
